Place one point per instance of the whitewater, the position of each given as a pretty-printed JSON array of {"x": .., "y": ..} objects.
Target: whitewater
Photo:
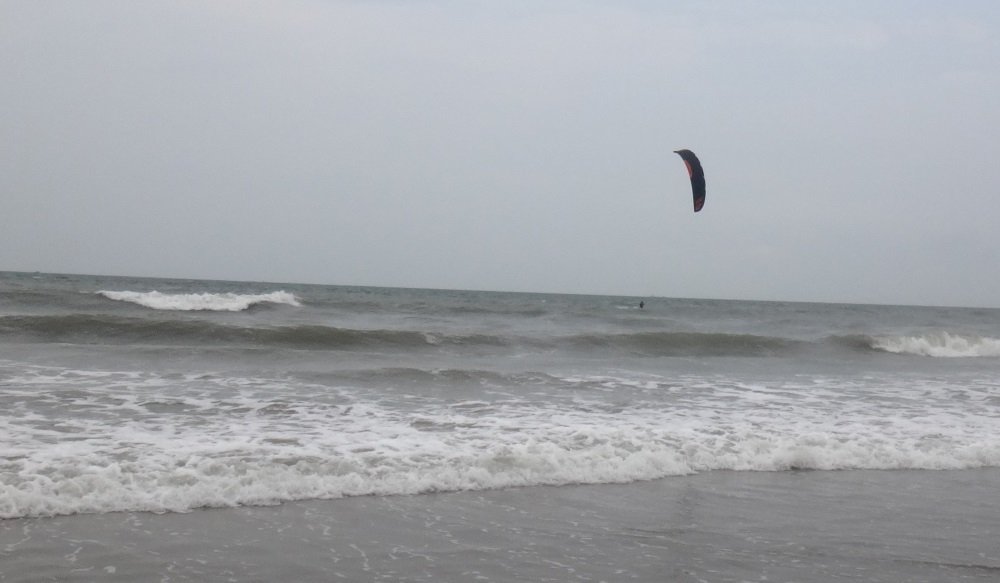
[{"x": 224, "y": 302}]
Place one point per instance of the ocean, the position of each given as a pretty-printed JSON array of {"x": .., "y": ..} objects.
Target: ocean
[{"x": 182, "y": 430}]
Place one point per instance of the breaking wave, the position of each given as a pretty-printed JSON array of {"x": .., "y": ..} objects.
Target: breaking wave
[
  {"x": 940, "y": 345},
  {"x": 212, "y": 302}
]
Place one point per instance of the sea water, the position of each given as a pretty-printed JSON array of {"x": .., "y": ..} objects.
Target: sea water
[{"x": 129, "y": 394}]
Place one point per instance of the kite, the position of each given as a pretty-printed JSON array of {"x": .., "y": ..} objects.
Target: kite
[{"x": 697, "y": 177}]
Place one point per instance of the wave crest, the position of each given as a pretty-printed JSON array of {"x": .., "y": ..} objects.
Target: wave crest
[{"x": 212, "y": 302}]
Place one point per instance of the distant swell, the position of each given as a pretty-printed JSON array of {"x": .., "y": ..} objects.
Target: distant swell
[
  {"x": 214, "y": 302},
  {"x": 105, "y": 329},
  {"x": 90, "y": 329},
  {"x": 110, "y": 329},
  {"x": 687, "y": 344}
]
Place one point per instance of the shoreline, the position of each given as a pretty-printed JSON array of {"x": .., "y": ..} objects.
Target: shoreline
[{"x": 806, "y": 526}]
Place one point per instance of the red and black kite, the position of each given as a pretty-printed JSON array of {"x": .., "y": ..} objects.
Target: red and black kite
[{"x": 697, "y": 177}]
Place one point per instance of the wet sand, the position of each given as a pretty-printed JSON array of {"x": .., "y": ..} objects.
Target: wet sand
[{"x": 810, "y": 526}]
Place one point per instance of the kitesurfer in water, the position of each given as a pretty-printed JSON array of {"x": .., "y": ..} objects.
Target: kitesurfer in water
[{"x": 642, "y": 305}]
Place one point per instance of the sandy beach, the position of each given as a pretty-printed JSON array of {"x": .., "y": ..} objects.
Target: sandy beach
[{"x": 933, "y": 526}]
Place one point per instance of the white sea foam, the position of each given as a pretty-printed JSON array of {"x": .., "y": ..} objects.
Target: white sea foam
[
  {"x": 941, "y": 344},
  {"x": 217, "y": 302},
  {"x": 86, "y": 441}
]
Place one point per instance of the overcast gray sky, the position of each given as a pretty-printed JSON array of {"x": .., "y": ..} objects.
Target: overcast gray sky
[{"x": 851, "y": 148}]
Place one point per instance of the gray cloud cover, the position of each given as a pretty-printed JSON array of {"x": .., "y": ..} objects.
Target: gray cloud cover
[{"x": 511, "y": 146}]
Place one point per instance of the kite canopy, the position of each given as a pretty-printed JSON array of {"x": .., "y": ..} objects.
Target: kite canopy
[{"x": 697, "y": 177}]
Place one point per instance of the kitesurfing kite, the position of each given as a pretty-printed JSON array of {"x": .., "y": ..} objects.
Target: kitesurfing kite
[{"x": 697, "y": 177}]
